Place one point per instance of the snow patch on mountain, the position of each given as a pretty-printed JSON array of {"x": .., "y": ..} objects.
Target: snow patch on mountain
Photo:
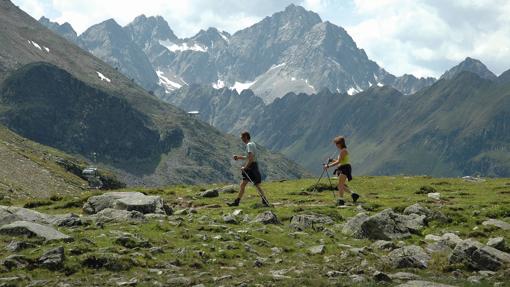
[
  {"x": 239, "y": 87},
  {"x": 103, "y": 77},
  {"x": 168, "y": 84},
  {"x": 224, "y": 37},
  {"x": 182, "y": 47},
  {"x": 218, "y": 85},
  {"x": 276, "y": 66},
  {"x": 352, "y": 91}
]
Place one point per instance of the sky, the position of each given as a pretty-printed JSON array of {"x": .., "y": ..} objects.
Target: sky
[{"x": 419, "y": 37}]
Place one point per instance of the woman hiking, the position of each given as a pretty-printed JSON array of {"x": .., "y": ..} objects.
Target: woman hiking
[{"x": 344, "y": 170}]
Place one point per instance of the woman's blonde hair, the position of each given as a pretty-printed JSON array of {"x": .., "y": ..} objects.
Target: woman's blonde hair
[{"x": 341, "y": 141}]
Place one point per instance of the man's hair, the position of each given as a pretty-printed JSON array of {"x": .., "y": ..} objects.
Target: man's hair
[
  {"x": 246, "y": 134},
  {"x": 341, "y": 141}
]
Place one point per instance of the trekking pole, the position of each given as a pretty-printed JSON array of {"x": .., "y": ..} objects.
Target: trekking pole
[
  {"x": 322, "y": 174},
  {"x": 258, "y": 191},
  {"x": 320, "y": 177}
]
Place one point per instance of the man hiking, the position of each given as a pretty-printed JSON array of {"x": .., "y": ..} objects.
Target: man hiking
[
  {"x": 250, "y": 170},
  {"x": 344, "y": 170}
]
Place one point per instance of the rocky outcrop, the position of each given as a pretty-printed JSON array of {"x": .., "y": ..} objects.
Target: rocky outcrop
[
  {"x": 409, "y": 257},
  {"x": 310, "y": 221},
  {"x": 385, "y": 225},
  {"x": 267, "y": 217},
  {"x": 31, "y": 229},
  {"x": 475, "y": 255},
  {"x": 129, "y": 201}
]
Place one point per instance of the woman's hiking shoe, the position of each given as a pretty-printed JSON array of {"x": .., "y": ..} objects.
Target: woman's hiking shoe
[
  {"x": 234, "y": 203},
  {"x": 354, "y": 196},
  {"x": 340, "y": 202}
]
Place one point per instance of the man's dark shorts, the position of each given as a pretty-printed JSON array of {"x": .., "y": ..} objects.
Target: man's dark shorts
[
  {"x": 345, "y": 169},
  {"x": 253, "y": 172}
]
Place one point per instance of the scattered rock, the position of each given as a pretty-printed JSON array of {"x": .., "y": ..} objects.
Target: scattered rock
[
  {"x": 130, "y": 241},
  {"x": 429, "y": 214},
  {"x": 267, "y": 217},
  {"x": 30, "y": 229},
  {"x": 310, "y": 221},
  {"x": 52, "y": 259},
  {"x": 319, "y": 249},
  {"x": 355, "y": 278},
  {"x": 417, "y": 283},
  {"x": 130, "y": 201},
  {"x": 334, "y": 274},
  {"x": 498, "y": 243},
  {"x": 210, "y": 193},
  {"x": 230, "y": 219},
  {"x": 15, "y": 246},
  {"x": 384, "y": 245},
  {"x": 381, "y": 277},
  {"x": 16, "y": 262},
  {"x": 478, "y": 256},
  {"x": 411, "y": 256},
  {"x": 66, "y": 220},
  {"x": 10, "y": 214},
  {"x": 132, "y": 282},
  {"x": 108, "y": 261},
  {"x": 434, "y": 195},
  {"x": 498, "y": 223},
  {"x": 385, "y": 225}
]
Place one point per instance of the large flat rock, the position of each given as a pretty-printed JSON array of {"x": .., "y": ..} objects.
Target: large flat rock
[
  {"x": 477, "y": 256},
  {"x": 31, "y": 229},
  {"x": 130, "y": 201}
]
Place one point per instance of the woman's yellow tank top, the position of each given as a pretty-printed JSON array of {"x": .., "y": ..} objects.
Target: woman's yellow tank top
[{"x": 345, "y": 160}]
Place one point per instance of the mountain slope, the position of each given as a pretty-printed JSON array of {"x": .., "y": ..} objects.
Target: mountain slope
[
  {"x": 20, "y": 157},
  {"x": 457, "y": 126},
  {"x": 199, "y": 153},
  {"x": 109, "y": 42}
]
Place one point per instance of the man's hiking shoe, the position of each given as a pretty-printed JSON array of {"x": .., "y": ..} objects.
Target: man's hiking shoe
[
  {"x": 234, "y": 203},
  {"x": 340, "y": 202},
  {"x": 355, "y": 197}
]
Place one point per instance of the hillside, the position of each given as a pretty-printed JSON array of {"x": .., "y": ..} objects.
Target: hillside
[
  {"x": 396, "y": 235},
  {"x": 87, "y": 106},
  {"x": 31, "y": 170}
]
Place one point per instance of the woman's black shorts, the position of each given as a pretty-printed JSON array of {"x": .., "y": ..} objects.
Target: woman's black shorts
[
  {"x": 345, "y": 169},
  {"x": 253, "y": 172}
]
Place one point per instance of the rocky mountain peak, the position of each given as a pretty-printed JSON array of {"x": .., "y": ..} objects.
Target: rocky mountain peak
[
  {"x": 145, "y": 29},
  {"x": 470, "y": 65},
  {"x": 65, "y": 30}
]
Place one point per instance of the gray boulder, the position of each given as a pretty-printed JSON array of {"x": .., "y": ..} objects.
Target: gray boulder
[
  {"x": 475, "y": 255},
  {"x": 411, "y": 256},
  {"x": 319, "y": 249},
  {"x": 30, "y": 229},
  {"x": 429, "y": 214},
  {"x": 130, "y": 201},
  {"x": 52, "y": 259},
  {"x": 15, "y": 246},
  {"x": 381, "y": 277},
  {"x": 385, "y": 225},
  {"x": 498, "y": 243},
  {"x": 497, "y": 223},
  {"x": 66, "y": 220},
  {"x": 267, "y": 217},
  {"x": 210, "y": 193},
  {"x": 16, "y": 262},
  {"x": 10, "y": 214},
  {"x": 310, "y": 221},
  {"x": 384, "y": 245}
]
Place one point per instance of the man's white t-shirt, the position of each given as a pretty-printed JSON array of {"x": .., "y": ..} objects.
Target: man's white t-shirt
[{"x": 251, "y": 147}]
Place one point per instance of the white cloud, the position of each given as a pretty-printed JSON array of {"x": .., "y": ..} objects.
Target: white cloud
[{"x": 427, "y": 37}]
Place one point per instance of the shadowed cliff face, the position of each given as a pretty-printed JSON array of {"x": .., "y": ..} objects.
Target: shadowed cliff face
[{"x": 48, "y": 105}]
